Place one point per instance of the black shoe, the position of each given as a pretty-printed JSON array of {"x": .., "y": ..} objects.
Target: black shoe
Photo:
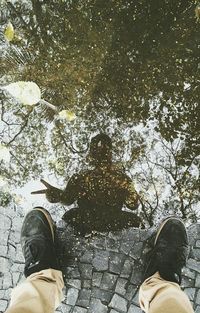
[
  {"x": 169, "y": 252},
  {"x": 37, "y": 241}
]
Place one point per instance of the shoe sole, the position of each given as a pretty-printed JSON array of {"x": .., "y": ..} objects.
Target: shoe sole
[
  {"x": 163, "y": 224},
  {"x": 49, "y": 220}
]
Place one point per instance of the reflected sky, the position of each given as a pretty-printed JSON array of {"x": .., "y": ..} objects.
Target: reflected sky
[{"x": 129, "y": 70}]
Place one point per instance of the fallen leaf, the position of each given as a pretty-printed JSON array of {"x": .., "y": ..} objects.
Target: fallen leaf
[
  {"x": 27, "y": 93},
  {"x": 18, "y": 199},
  {"x": 197, "y": 12},
  {"x": 9, "y": 32},
  {"x": 68, "y": 115}
]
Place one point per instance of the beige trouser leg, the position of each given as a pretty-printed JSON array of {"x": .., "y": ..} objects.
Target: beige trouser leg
[
  {"x": 40, "y": 293},
  {"x": 157, "y": 295}
]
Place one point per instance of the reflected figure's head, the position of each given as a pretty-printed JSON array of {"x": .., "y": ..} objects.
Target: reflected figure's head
[{"x": 100, "y": 152}]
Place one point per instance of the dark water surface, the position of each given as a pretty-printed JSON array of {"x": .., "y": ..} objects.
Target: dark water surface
[{"x": 130, "y": 69}]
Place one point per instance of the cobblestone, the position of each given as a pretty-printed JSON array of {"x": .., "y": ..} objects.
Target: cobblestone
[
  {"x": 193, "y": 233},
  {"x": 71, "y": 296},
  {"x": 100, "y": 261},
  {"x": 132, "y": 235},
  {"x": 3, "y": 305},
  {"x": 85, "y": 270},
  {"x": 194, "y": 265},
  {"x": 134, "y": 309},
  {"x": 99, "y": 243},
  {"x": 2, "y": 294},
  {"x": 118, "y": 303},
  {"x": 136, "y": 274},
  {"x": 198, "y": 297},
  {"x": 97, "y": 306},
  {"x": 12, "y": 251},
  {"x": 102, "y": 273},
  {"x": 126, "y": 247},
  {"x": 116, "y": 262},
  {"x": 196, "y": 253},
  {"x": 76, "y": 283},
  {"x": 135, "y": 252},
  {"x": 72, "y": 272},
  {"x": 197, "y": 309},
  {"x": 5, "y": 264},
  {"x": 18, "y": 254},
  {"x": 5, "y": 222},
  {"x": 112, "y": 245},
  {"x": 78, "y": 309},
  {"x": 84, "y": 298},
  {"x": 96, "y": 279},
  {"x": 7, "y": 293},
  {"x": 16, "y": 278},
  {"x": 14, "y": 236},
  {"x": 7, "y": 281},
  {"x": 3, "y": 250},
  {"x": 4, "y": 238},
  {"x": 87, "y": 257},
  {"x": 189, "y": 273},
  {"x": 103, "y": 295},
  {"x": 17, "y": 267},
  {"x": 131, "y": 290},
  {"x": 197, "y": 281},
  {"x": 187, "y": 282},
  {"x": 121, "y": 286},
  {"x": 126, "y": 269},
  {"x": 86, "y": 283},
  {"x": 108, "y": 281},
  {"x": 190, "y": 292},
  {"x": 135, "y": 299},
  {"x": 64, "y": 308}
]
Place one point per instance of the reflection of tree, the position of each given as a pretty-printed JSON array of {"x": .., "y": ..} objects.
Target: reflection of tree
[
  {"x": 159, "y": 172},
  {"x": 23, "y": 133},
  {"x": 129, "y": 54},
  {"x": 109, "y": 61},
  {"x": 181, "y": 179}
]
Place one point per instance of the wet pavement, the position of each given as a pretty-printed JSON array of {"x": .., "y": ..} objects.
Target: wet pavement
[{"x": 102, "y": 273}]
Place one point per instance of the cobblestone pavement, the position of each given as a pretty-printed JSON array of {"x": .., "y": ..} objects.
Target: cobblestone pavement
[{"x": 102, "y": 273}]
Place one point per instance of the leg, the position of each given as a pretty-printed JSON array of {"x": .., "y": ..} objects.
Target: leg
[
  {"x": 160, "y": 291},
  {"x": 40, "y": 293},
  {"x": 42, "y": 290},
  {"x": 157, "y": 295}
]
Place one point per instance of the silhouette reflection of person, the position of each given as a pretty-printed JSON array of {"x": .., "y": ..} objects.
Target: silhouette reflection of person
[{"x": 100, "y": 193}]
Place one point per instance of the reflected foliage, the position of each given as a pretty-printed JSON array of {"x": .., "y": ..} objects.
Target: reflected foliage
[{"x": 116, "y": 64}]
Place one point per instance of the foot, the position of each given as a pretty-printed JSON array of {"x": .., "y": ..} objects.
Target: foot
[
  {"x": 169, "y": 252},
  {"x": 37, "y": 241}
]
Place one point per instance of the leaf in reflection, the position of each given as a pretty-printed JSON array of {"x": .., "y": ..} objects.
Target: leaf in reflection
[
  {"x": 27, "y": 93},
  {"x": 68, "y": 115},
  {"x": 9, "y": 32},
  {"x": 18, "y": 198},
  {"x": 197, "y": 12}
]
